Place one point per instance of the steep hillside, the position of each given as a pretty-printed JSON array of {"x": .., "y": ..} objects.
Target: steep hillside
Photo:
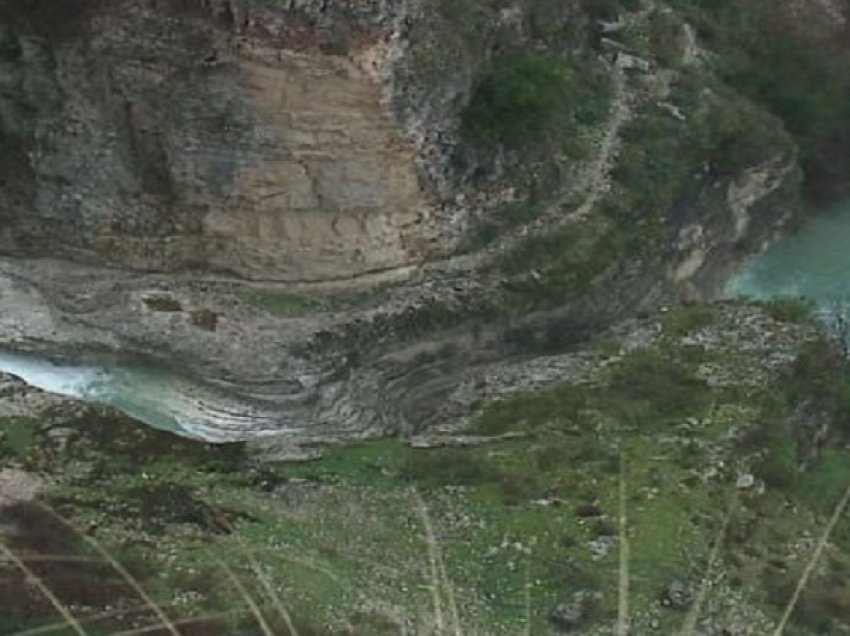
[
  {"x": 326, "y": 189},
  {"x": 455, "y": 258},
  {"x": 694, "y": 456}
]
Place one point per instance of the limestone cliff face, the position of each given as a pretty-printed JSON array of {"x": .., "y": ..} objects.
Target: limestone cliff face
[
  {"x": 159, "y": 135},
  {"x": 289, "y": 140}
]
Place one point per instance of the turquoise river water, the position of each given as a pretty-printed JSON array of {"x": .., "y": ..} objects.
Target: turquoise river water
[{"x": 814, "y": 263}]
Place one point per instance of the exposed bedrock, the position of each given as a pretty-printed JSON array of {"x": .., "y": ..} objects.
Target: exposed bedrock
[{"x": 271, "y": 200}]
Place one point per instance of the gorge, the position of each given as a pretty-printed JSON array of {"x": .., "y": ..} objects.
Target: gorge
[{"x": 423, "y": 317}]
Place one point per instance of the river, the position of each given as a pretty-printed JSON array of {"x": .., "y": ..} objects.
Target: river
[
  {"x": 151, "y": 395},
  {"x": 814, "y": 263}
]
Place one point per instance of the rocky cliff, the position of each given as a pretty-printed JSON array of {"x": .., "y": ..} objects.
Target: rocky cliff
[
  {"x": 468, "y": 239},
  {"x": 173, "y": 135},
  {"x": 301, "y": 202}
]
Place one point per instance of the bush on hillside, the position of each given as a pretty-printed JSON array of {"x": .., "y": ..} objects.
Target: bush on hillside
[
  {"x": 530, "y": 97},
  {"x": 799, "y": 75}
]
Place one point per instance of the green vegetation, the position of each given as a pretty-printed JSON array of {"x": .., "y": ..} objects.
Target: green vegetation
[
  {"x": 557, "y": 268},
  {"x": 683, "y": 320},
  {"x": 17, "y": 436},
  {"x": 10, "y": 47},
  {"x": 292, "y": 305},
  {"x": 797, "y": 73},
  {"x": 666, "y": 38},
  {"x": 528, "y": 98},
  {"x": 608, "y": 9},
  {"x": 283, "y": 303},
  {"x": 520, "y": 524},
  {"x": 664, "y": 157},
  {"x": 501, "y": 221},
  {"x": 645, "y": 388},
  {"x": 533, "y": 113},
  {"x": 793, "y": 310},
  {"x": 162, "y": 303},
  {"x": 822, "y": 376},
  {"x": 670, "y": 154}
]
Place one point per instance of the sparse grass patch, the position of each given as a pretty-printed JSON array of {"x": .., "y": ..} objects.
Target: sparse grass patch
[
  {"x": 793, "y": 310},
  {"x": 682, "y": 320},
  {"x": 649, "y": 385},
  {"x": 17, "y": 435},
  {"x": 283, "y": 303}
]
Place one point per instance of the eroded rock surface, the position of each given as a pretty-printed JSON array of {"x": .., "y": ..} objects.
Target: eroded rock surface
[
  {"x": 166, "y": 135},
  {"x": 272, "y": 199}
]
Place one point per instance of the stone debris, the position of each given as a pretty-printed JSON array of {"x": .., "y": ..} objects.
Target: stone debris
[
  {"x": 745, "y": 481},
  {"x": 17, "y": 486},
  {"x": 678, "y": 595}
]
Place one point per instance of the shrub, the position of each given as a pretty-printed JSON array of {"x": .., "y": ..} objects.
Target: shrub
[
  {"x": 666, "y": 37},
  {"x": 803, "y": 78},
  {"x": 557, "y": 407},
  {"x": 793, "y": 310},
  {"x": 10, "y": 47},
  {"x": 608, "y": 9},
  {"x": 448, "y": 467},
  {"x": 824, "y": 484},
  {"x": 821, "y": 375},
  {"x": 663, "y": 156},
  {"x": 18, "y": 435},
  {"x": 282, "y": 303},
  {"x": 517, "y": 102},
  {"x": 162, "y": 303},
  {"x": 740, "y": 135},
  {"x": 658, "y": 156},
  {"x": 684, "y": 319},
  {"x": 437, "y": 468},
  {"x": 778, "y": 467},
  {"x": 530, "y": 97},
  {"x": 660, "y": 385}
]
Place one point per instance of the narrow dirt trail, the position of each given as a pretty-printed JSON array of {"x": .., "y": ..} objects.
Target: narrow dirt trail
[
  {"x": 599, "y": 172},
  {"x": 592, "y": 186}
]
